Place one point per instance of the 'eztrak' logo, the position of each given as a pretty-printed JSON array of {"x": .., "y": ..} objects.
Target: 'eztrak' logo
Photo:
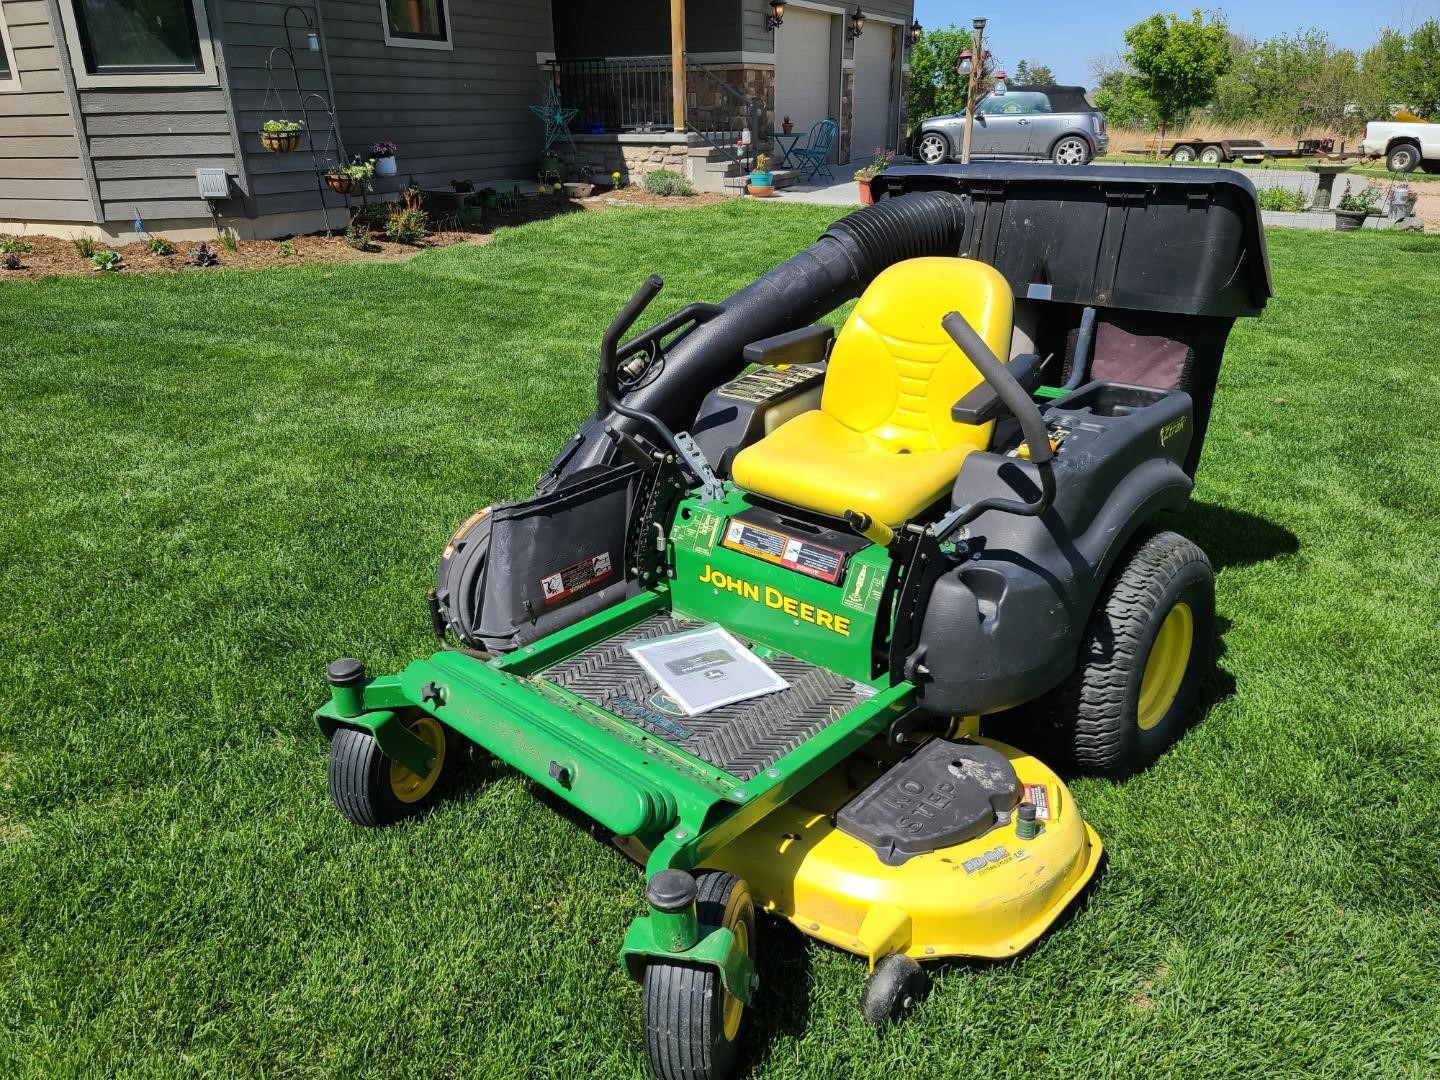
[
  {"x": 774, "y": 598},
  {"x": 1169, "y": 431}
]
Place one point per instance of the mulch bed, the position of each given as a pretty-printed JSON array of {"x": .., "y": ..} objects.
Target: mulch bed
[{"x": 55, "y": 256}]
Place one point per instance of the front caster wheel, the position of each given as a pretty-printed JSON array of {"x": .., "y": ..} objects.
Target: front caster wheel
[
  {"x": 371, "y": 790},
  {"x": 896, "y": 986},
  {"x": 692, "y": 1025}
]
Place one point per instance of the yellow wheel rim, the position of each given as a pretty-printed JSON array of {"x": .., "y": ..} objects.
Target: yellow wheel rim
[
  {"x": 1165, "y": 667},
  {"x": 734, "y": 1007},
  {"x": 411, "y": 787}
]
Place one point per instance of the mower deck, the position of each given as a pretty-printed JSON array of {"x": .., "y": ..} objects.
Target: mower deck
[{"x": 743, "y": 739}]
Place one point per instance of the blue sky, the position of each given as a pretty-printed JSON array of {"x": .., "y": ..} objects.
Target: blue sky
[{"x": 1066, "y": 35}]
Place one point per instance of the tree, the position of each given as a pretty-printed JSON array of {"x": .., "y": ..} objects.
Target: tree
[
  {"x": 935, "y": 86},
  {"x": 1123, "y": 101},
  {"x": 1177, "y": 62},
  {"x": 1402, "y": 70},
  {"x": 1032, "y": 73},
  {"x": 1298, "y": 83}
]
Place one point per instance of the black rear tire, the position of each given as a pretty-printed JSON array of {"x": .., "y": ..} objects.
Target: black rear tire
[
  {"x": 692, "y": 1026},
  {"x": 370, "y": 790},
  {"x": 1102, "y": 722}
]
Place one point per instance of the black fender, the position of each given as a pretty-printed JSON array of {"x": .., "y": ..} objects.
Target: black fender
[{"x": 1004, "y": 625}]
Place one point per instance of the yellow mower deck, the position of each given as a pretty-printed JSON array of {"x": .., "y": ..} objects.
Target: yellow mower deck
[{"x": 990, "y": 897}]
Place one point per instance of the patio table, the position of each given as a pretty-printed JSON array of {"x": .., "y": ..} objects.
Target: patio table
[{"x": 779, "y": 137}]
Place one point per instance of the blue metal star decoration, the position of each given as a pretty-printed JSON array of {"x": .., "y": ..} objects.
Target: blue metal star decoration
[{"x": 555, "y": 117}]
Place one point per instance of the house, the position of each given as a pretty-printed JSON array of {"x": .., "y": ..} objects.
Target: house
[{"x": 110, "y": 109}]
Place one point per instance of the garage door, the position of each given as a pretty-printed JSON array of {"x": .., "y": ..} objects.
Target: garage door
[
  {"x": 870, "y": 126},
  {"x": 802, "y": 68}
]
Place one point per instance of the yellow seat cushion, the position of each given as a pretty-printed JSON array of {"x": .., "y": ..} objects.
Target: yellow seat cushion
[{"x": 883, "y": 442}]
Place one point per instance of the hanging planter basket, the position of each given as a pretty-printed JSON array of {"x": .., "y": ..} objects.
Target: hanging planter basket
[
  {"x": 342, "y": 184},
  {"x": 280, "y": 142}
]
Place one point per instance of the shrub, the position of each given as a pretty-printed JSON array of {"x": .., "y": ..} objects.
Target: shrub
[
  {"x": 229, "y": 238},
  {"x": 203, "y": 256},
  {"x": 407, "y": 222},
  {"x": 10, "y": 261},
  {"x": 160, "y": 246},
  {"x": 357, "y": 236},
  {"x": 84, "y": 247},
  {"x": 1281, "y": 198},
  {"x": 285, "y": 249},
  {"x": 13, "y": 245},
  {"x": 106, "y": 260},
  {"x": 666, "y": 182}
]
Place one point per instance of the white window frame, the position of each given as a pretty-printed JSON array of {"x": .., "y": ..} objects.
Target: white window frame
[
  {"x": 12, "y": 84},
  {"x": 448, "y": 45},
  {"x": 206, "y": 76}
]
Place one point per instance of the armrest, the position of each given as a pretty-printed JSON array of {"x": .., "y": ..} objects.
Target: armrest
[
  {"x": 983, "y": 404},
  {"x": 808, "y": 345}
]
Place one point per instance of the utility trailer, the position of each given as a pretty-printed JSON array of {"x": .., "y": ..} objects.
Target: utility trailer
[{"x": 1216, "y": 151}]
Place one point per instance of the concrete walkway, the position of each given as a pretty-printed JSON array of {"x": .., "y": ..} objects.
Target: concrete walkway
[{"x": 839, "y": 192}]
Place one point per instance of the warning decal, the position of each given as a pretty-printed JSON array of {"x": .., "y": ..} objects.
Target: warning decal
[
  {"x": 762, "y": 384},
  {"x": 791, "y": 552},
  {"x": 1039, "y": 794},
  {"x": 576, "y": 578}
]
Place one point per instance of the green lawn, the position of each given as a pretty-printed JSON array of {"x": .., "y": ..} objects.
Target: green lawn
[{"x": 214, "y": 483}]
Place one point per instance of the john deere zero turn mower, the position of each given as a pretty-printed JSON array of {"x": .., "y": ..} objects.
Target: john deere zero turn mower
[{"x": 940, "y": 515}]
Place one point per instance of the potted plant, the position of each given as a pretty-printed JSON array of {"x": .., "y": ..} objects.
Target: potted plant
[
  {"x": 281, "y": 136},
  {"x": 787, "y": 126},
  {"x": 883, "y": 160},
  {"x": 346, "y": 179},
  {"x": 383, "y": 154},
  {"x": 762, "y": 181},
  {"x": 1352, "y": 209}
]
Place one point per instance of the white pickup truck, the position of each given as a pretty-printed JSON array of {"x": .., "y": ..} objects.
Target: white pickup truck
[{"x": 1403, "y": 145}]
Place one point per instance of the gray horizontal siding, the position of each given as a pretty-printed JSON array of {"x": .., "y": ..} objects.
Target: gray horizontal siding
[
  {"x": 41, "y": 175},
  {"x": 147, "y": 143},
  {"x": 453, "y": 113}
]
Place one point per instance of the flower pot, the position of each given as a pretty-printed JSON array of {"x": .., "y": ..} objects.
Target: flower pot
[
  {"x": 280, "y": 142},
  {"x": 762, "y": 179},
  {"x": 866, "y": 199},
  {"x": 762, "y": 191},
  {"x": 579, "y": 191},
  {"x": 385, "y": 166},
  {"x": 342, "y": 184},
  {"x": 1349, "y": 220},
  {"x": 787, "y": 128}
]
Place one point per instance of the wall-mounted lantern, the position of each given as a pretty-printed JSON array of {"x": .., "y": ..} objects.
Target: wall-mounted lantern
[
  {"x": 857, "y": 24},
  {"x": 776, "y": 16},
  {"x": 915, "y": 31}
]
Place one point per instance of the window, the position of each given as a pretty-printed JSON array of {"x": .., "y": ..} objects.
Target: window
[
  {"x": 9, "y": 75},
  {"x": 416, "y": 24},
  {"x": 138, "y": 37},
  {"x": 1016, "y": 103},
  {"x": 139, "y": 42}
]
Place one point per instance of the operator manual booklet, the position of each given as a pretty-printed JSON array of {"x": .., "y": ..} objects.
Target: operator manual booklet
[{"x": 705, "y": 669}]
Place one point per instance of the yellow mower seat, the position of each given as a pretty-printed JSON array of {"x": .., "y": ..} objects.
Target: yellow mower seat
[{"x": 882, "y": 442}]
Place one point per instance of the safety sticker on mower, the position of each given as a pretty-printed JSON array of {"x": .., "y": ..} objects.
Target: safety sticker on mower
[
  {"x": 864, "y": 590},
  {"x": 1039, "y": 794},
  {"x": 576, "y": 578},
  {"x": 698, "y": 532},
  {"x": 762, "y": 384},
  {"x": 791, "y": 552}
]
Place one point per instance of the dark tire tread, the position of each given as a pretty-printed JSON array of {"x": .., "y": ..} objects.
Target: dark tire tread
[
  {"x": 1093, "y": 711},
  {"x": 359, "y": 779},
  {"x": 684, "y": 1035}
]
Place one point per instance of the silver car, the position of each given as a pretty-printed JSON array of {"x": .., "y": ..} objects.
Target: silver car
[{"x": 1025, "y": 123}]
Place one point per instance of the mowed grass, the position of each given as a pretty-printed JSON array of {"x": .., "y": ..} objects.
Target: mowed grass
[{"x": 214, "y": 483}]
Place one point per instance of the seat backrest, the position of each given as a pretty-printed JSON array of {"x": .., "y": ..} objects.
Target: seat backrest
[
  {"x": 894, "y": 373},
  {"x": 822, "y": 136}
]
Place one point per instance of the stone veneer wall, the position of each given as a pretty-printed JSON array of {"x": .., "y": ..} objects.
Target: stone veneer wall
[
  {"x": 847, "y": 114},
  {"x": 755, "y": 81},
  {"x": 634, "y": 155}
]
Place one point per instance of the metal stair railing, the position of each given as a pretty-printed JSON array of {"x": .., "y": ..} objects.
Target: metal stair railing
[{"x": 731, "y": 123}]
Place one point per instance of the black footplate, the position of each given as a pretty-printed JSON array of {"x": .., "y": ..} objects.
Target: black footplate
[{"x": 943, "y": 794}]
